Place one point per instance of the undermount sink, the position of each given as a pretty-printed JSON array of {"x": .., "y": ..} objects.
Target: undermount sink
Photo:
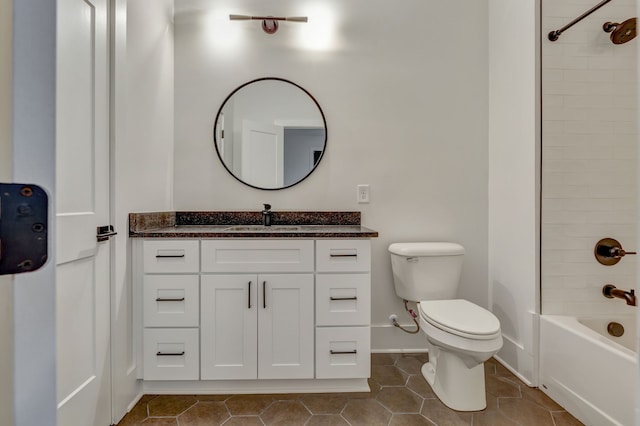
[{"x": 262, "y": 228}]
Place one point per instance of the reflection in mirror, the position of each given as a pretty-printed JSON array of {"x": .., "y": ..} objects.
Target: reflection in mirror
[{"x": 270, "y": 133}]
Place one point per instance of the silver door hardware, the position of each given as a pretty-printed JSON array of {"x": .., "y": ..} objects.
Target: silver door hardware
[
  {"x": 105, "y": 232},
  {"x": 23, "y": 227}
]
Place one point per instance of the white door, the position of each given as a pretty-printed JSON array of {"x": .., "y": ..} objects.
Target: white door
[
  {"x": 82, "y": 204},
  {"x": 228, "y": 331},
  {"x": 285, "y": 326},
  {"x": 262, "y": 154}
]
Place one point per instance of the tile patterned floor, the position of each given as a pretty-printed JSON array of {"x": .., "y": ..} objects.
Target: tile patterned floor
[{"x": 399, "y": 396}]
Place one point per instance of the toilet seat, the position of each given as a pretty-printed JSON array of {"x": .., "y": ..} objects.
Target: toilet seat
[{"x": 461, "y": 318}]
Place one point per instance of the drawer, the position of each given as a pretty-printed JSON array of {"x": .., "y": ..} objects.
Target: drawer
[
  {"x": 171, "y": 354},
  {"x": 343, "y": 255},
  {"x": 257, "y": 255},
  {"x": 343, "y": 352},
  {"x": 171, "y": 301},
  {"x": 171, "y": 256},
  {"x": 343, "y": 299}
]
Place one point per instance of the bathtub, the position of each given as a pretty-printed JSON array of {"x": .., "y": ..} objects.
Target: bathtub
[{"x": 587, "y": 371}]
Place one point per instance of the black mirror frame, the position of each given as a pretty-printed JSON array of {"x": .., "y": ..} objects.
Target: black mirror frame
[{"x": 215, "y": 131}]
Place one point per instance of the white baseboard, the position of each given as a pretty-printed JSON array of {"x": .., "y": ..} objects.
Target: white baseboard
[
  {"x": 134, "y": 402},
  {"x": 515, "y": 359},
  {"x": 387, "y": 339},
  {"x": 255, "y": 386}
]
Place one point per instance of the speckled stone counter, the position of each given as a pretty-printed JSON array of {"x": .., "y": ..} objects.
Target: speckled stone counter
[{"x": 221, "y": 224}]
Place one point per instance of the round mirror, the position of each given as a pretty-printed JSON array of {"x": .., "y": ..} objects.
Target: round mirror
[{"x": 270, "y": 133}]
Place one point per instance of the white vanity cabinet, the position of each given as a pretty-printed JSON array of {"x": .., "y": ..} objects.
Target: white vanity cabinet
[
  {"x": 343, "y": 309},
  {"x": 257, "y": 326},
  {"x": 227, "y": 313},
  {"x": 170, "y": 310}
]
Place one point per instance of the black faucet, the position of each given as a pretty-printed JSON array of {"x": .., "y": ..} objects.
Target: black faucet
[{"x": 266, "y": 215}]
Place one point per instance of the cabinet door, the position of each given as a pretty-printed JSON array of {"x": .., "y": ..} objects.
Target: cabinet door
[
  {"x": 286, "y": 328},
  {"x": 228, "y": 328}
]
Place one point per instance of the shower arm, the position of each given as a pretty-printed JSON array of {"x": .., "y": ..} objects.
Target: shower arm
[{"x": 554, "y": 35}]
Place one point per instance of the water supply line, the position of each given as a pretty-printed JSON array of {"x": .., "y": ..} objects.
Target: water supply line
[{"x": 413, "y": 317}]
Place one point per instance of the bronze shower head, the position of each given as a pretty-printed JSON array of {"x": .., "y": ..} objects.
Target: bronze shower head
[{"x": 623, "y": 32}]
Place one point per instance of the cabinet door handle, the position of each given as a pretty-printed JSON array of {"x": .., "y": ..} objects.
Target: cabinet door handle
[
  {"x": 160, "y": 299},
  {"x": 249, "y": 291},
  {"x": 161, "y": 256},
  {"x": 332, "y": 352},
  {"x": 343, "y": 255},
  {"x": 170, "y": 353},
  {"x": 264, "y": 295},
  {"x": 344, "y": 298}
]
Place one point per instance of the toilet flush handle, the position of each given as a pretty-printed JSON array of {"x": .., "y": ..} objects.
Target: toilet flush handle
[{"x": 412, "y": 259}]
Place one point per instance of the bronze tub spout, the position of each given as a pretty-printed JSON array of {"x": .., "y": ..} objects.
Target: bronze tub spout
[{"x": 610, "y": 291}]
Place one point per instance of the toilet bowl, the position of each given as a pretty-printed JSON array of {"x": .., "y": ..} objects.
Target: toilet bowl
[{"x": 461, "y": 336}]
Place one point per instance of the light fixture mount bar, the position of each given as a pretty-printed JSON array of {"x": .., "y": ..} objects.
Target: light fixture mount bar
[{"x": 269, "y": 23}]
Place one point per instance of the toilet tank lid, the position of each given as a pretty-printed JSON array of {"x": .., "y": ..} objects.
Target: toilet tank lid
[{"x": 427, "y": 249}]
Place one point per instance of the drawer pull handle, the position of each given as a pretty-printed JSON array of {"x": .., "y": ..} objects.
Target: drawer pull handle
[
  {"x": 170, "y": 354},
  {"x": 332, "y": 352},
  {"x": 160, "y": 299},
  {"x": 344, "y": 298},
  {"x": 249, "y": 292},
  {"x": 264, "y": 295},
  {"x": 343, "y": 255},
  {"x": 163, "y": 256}
]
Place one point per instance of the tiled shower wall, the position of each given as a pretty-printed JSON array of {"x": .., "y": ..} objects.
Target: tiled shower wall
[{"x": 589, "y": 149}]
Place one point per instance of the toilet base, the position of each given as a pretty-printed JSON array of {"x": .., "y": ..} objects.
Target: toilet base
[{"x": 458, "y": 387}]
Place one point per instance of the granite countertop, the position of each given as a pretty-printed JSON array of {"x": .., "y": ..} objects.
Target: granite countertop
[{"x": 247, "y": 225}]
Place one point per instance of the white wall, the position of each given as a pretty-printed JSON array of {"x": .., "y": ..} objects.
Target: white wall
[
  {"x": 589, "y": 165},
  {"x": 513, "y": 179},
  {"x": 6, "y": 282},
  {"x": 142, "y": 176},
  {"x": 33, "y": 149},
  {"x": 404, "y": 87}
]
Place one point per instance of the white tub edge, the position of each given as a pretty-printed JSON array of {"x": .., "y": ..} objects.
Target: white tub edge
[{"x": 561, "y": 384}]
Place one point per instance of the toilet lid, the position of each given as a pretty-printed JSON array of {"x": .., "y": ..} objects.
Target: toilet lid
[{"x": 460, "y": 317}]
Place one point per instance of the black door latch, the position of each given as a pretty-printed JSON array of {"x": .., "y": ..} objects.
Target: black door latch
[{"x": 23, "y": 228}]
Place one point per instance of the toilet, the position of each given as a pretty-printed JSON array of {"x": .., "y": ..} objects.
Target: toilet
[{"x": 461, "y": 336}]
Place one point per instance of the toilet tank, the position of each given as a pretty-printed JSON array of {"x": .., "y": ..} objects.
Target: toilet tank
[{"x": 426, "y": 271}]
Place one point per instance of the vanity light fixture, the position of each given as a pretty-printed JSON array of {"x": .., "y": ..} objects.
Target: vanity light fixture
[{"x": 269, "y": 23}]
